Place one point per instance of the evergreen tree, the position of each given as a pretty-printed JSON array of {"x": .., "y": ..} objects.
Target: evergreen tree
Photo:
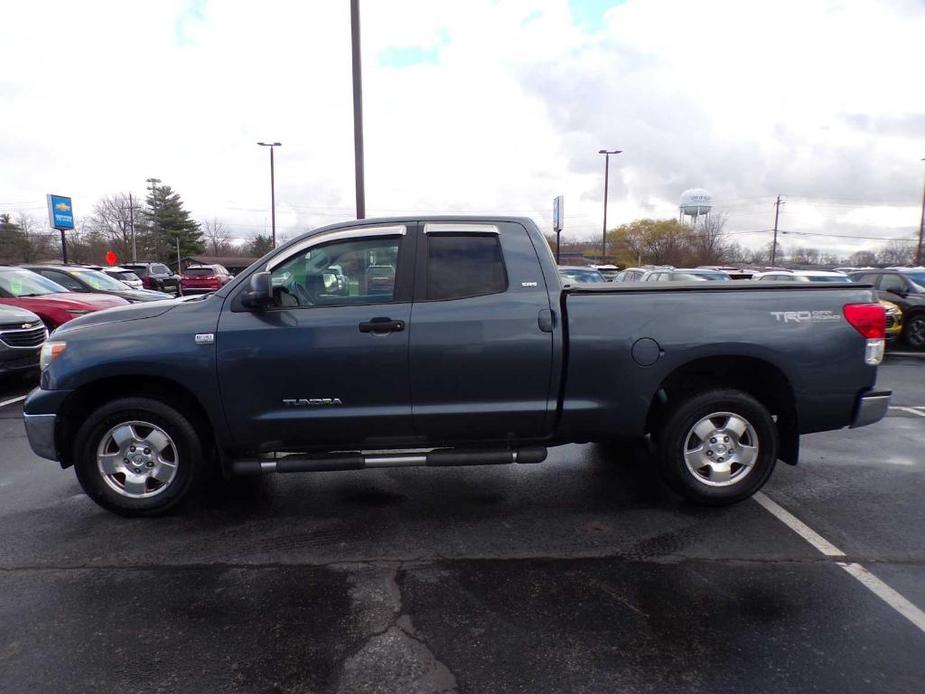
[
  {"x": 260, "y": 245},
  {"x": 12, "y": 240},
  {"x": 169, "y": 222}
]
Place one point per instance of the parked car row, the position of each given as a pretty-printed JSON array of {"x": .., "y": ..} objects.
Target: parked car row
[{"x": 900, "y": 290}]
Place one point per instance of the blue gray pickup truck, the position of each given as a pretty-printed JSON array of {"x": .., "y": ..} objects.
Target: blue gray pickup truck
[{"x": 448, "y": 341}]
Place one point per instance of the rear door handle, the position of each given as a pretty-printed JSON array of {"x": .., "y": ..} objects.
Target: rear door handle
[{"x": 381, "y": 326}]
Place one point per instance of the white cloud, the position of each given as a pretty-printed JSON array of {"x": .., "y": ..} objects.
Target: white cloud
[{"x": 814, "y": 100}]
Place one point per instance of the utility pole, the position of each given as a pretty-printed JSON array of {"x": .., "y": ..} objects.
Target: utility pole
[
  {"x": 357, "y": 109},
  {"x": 272, "y": 146},
  {"x": 131, "y": 222},
  {"x": 153, "y": 188},
  {"x": 774, "y": 244},
  {"x": 919, "y": 249},
  {"x": 606, "y": 154}
]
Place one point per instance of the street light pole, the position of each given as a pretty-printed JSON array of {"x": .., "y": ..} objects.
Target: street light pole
[
  {"x": 357, "y": 109},
  {"x": 919, "y": 249},
  {"x": 272, "y": 146},
  {"x": 606, "y": 153},
  {"x": 774, "y": 243}
]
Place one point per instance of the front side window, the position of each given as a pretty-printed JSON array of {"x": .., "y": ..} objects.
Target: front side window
[
  {"x": 892, "y": 283},
  {"x": 63, "y": 279},
  {"x": 356, "y": 271},
  {"x": 464, "y": 265}
]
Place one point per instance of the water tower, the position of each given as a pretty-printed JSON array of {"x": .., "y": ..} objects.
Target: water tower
[{"x": 695, "y": 202}]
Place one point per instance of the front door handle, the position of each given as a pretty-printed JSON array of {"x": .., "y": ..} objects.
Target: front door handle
[{"x": 381, "y": 326}]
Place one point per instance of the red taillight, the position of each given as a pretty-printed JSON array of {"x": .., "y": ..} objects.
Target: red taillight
[{"x": 867, "y": 319}]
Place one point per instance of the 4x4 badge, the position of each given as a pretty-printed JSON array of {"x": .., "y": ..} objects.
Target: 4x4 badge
[{"x": 205, "y": 338}]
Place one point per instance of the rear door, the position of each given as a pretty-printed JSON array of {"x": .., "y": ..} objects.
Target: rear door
[
  {"x": 326, "y": 365},
  {"x": 480, "y": 360}
]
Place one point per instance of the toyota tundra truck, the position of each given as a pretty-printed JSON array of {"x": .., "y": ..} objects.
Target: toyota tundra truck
[{"x": 467, "y": 351}]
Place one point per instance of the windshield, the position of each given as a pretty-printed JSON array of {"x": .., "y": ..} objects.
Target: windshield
[
  {"x": 918, "y": 279},
  {"x": 99, "y": 280},
  {"x": 713, "y": 276},
  {"x": 27, "y": 283},
  {"x": 582, "y": 276}
]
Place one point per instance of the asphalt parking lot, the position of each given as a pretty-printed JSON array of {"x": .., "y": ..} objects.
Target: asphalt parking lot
[{"x": 580, "y": 574}]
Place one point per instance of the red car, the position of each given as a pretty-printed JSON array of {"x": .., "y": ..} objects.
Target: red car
[
  {"x": 49, "y": 300},
  {"x": 199, "y": 279}
]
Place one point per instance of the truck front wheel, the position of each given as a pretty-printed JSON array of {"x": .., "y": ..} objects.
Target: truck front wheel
[
  {"x": 718, "y": 447},
  {"x": 137, "y": 456}
]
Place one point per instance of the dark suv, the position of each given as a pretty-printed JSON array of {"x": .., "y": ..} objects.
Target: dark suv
[
  {"x": 156, "y": 276},
  {"x": 905, "y": 287}
]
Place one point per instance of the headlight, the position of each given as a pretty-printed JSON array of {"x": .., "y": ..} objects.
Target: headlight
[{"x": 51, "y": 350}]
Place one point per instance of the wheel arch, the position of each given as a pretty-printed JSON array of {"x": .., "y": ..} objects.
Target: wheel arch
[
  {"x": 758, "y": 377},
  {"x": 89, "y": 397}
]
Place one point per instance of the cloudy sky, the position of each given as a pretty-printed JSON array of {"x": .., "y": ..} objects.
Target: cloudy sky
[{"x": 476, "y": 106}]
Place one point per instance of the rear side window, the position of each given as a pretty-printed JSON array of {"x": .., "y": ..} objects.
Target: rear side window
[{"x": 461, "y": 265}]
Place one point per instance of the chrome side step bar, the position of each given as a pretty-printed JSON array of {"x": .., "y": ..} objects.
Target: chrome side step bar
[{"x": 445, "y": 457}]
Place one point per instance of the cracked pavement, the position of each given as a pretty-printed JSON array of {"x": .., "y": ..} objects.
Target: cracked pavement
[{"x": 580, "y": 574}]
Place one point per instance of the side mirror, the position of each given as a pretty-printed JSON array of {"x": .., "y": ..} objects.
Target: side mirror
[{"x": 259, "y": 293}]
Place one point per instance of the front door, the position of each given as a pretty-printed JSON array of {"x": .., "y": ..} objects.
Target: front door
[{"x": 327, "y": 364}]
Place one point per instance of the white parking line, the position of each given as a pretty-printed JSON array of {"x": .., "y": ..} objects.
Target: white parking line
[
  {"x": 23, "y": 397},
  {"x": 866, "y": 578},
  {"x": 887, "y": 594},
  {"x": 911, "y": 410},
  {"x": 798, "y": 526}
]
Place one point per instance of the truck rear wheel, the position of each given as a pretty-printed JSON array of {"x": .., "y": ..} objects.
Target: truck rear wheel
[
  {"x": 137, "y": 457},
  {"x": 718, "y": 447}
]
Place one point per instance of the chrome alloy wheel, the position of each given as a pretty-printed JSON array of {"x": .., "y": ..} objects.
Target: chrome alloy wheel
[
  {"x": 137, "y": 459},
  {"x": 721, "y": 449}
]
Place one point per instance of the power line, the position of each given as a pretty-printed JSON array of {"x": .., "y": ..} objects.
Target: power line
[{"x": 849, "y": 236}]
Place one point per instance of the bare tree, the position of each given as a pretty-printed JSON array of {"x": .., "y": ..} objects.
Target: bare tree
[
  {"x": 111, "y": 220},
  {"x": 863, "y": 258},
  {"x": 34, "y": 242},
  {"x": 216, "y": 236},
  {"x": 708, "y": 241},
  {"x": 897, "y": 253}
]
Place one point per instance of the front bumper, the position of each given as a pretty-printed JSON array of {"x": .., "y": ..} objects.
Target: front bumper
[
  {"x": 21, "y": 360},
  {"x": 40, "y": 430},
  {"x": 871, "y": 407}
]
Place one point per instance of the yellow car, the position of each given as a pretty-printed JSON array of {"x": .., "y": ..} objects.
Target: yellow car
[{"x": 894, "y": 320}]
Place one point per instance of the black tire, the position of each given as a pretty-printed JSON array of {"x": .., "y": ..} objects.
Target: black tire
[
  {"x": 676, "y": 434},
  {"x": 191, "y": 464},
  {"x": 914, "y": 331}
]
